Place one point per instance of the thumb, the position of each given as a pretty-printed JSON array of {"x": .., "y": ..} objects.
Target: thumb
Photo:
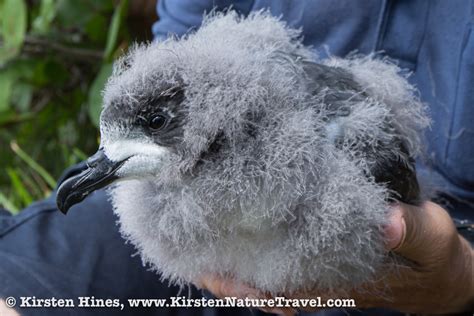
[
  {"x": 411, "y": 229},
  {"x": 395, "y": 230}
]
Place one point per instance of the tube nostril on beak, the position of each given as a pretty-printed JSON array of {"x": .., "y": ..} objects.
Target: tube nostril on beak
[{"x": 95, "y": 159}]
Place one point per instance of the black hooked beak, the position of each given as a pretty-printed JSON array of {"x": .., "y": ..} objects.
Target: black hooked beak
[{"x": 98, "y": 173}]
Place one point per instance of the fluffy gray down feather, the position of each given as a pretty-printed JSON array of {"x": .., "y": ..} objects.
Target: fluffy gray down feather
[{"x": 257, "y": 188}]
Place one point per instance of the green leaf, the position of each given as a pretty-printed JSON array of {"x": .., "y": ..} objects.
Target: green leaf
[
  {"x": 104, "y": 5},
  {"x": 95, "y": 92},
  {"x": 61, "y": 75},
  {"x": 74, "y": 13},
  {"x": 45, "y": 72},
  {"x": 114, "y": 29},
  {"x": 12, "y": 89},
  {"x": 40, "y": 76},
  {"x": 95, "y": 29},
  {"x": 13, "y": 22},
  {"x": 22, "y": 68},
  {"x": 33, "y": 189},
  {"x": 22, "y": 94},
  {"x": 33, "y": 164},
  {"x": 19, "y": 187},
  {"x": 10, "y": 116},
  {"x": 47, "y": 12},
  {"x": 8, "y": 204},
  {"x": 6, "y": 82}
]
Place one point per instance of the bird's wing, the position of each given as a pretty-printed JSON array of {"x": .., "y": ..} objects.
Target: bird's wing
[{"x": 340, "y": 91}]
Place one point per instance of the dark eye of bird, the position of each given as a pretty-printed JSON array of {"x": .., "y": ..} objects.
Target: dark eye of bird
[{"x": 157, "y": 122}]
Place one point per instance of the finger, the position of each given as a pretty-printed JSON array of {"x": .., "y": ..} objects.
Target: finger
[
  {"x": 225, "y": 287},
  {"x": 421, "y": 230},
  {"x": 395, "y": 231},
  {"x": 408, "y": 227},
  {"x": 7, "y": 311}
]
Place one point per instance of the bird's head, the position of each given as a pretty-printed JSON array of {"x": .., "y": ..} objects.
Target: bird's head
[
  {"x": 139, "y": 132},
  {"x": 175, "y": 100}
]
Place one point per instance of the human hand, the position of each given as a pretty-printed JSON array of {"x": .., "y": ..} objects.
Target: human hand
[
  {"x": 441, "y": 279},
  {"x": 7, "y": 311}
]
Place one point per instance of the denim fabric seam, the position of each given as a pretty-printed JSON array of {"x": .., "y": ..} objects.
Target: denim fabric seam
[
  {"x": 465, "y": 41},
  {"x": 14, "y": 221}
]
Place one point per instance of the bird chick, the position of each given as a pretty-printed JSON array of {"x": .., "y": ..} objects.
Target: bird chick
[{"x": 235, "y": 151}]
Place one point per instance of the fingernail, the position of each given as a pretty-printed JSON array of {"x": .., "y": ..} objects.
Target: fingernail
[{"x": 395, "y": 229}]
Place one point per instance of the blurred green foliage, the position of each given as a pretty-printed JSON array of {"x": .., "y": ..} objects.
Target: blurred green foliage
[{"x": 55, "y": 56}]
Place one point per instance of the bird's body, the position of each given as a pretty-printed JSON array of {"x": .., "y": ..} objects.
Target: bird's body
[{"x": 240, "y": 154}]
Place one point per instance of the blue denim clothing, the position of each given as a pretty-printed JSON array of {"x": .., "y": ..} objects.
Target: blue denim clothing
[
  {"x": 434, "y": 40},
  {"x": 44, "y": 253}
]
